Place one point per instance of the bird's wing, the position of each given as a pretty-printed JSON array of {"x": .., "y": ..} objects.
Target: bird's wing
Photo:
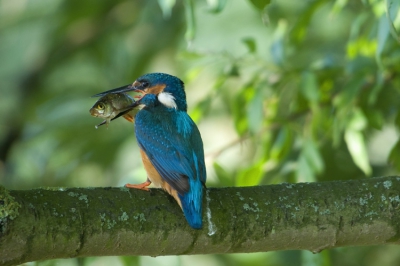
[
  {"x": 173, "y": 146},
  {"x": 195, "y": 142}
]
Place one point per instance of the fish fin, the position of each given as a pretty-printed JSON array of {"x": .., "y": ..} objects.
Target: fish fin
[{"x": 102, "y": 123}]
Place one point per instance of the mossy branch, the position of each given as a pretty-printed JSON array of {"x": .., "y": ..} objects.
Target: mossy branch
[{"x": 47, "y": 223}]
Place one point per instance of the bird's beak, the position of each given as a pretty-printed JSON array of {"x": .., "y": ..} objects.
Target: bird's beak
[{"x": 125, "y": 88}]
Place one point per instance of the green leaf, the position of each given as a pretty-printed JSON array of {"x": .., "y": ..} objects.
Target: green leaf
[
  {"x": 201, "y": 109},
  {"x": 380, "y": 80},
  {"x": 166, "y": 7},
  {"x": 239, "y": 109},
  {"x": 338, "y": 6},
  {"x": 190, "y": 21},
  {"x": 255, "y": 113},
  {"x": 309, "y": 163},
  {"x": 299, "y": 31},
  {"x": 130, "y": 260},
  {"x": 309, "y": 86},
  {"x": 383, "y": 33},
  {"x": 191, "y": 55},
  {"x": 375, "y": 118},
  {"x": 356, "y": 143},
  {"x": 250, "y": 176},
  {"x": 265, "y": 17},
  {"x": 282, "y": 144},
  {"x": 250, "y": 43},
  {"x": 260, "y": 4},
  {"x": 349, "y": 93},
  {"x": 232, "y": 70},
  {"x": 397, "y": 121},
  {"x": 394, "y": 156},
  {"x": 337, "y": 129},
  {"x": 304, "y": 171},
  {"x": 392, "y": 8},
  {"x": 216, "y": 6},
  {"x": 357, "y": 25},
  {"x": 313, "y": 157},
  {"x": 357, "y": 148},
  {"x": 224, "y": 177},
  {"x": 358, "y": 121},
  {"x": 277, "y": 49}
]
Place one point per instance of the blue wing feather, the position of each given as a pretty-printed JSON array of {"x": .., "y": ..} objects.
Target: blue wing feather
[
  {"x": 172, "y": 146},
  {"x": 175, "y": 149}
]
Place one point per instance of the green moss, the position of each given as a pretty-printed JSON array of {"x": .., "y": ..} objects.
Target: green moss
[{"x": 8, "y": 208}]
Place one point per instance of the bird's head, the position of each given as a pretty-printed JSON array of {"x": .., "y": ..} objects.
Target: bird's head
[{"x": 168, "y": 89}]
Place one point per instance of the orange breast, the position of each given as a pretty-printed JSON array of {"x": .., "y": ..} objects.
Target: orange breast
[{"x": 156, "y": 179}]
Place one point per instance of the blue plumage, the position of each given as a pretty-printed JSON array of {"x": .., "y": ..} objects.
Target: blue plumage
[
  {"x": 170, "y": 142},
  {"x": 173, "y": 144}
]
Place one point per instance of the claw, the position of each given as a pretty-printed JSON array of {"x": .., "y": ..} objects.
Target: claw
[{"x": 142, "y": 186}]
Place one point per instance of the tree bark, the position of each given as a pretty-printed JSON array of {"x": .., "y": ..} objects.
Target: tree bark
[{"x": 49, "y": 223}]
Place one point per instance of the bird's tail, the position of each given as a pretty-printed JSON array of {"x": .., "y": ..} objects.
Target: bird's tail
[{"x": 192, "y": 203}]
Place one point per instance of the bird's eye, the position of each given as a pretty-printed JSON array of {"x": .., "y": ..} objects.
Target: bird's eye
[
  {"x": 100, "y": 106},
  {"x": 144, "y": 84}
]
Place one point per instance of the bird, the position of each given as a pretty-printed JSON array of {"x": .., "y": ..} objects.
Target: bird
[{"x": 170, "y": 143}]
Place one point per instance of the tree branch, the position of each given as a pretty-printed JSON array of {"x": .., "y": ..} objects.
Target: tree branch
[{"x": 50, "y": 223}]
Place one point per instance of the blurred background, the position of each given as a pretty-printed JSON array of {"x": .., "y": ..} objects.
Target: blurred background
[{"x": 282, "y": 91}]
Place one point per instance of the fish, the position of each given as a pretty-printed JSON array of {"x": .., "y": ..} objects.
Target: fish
[{"x": 111, "y": 106}]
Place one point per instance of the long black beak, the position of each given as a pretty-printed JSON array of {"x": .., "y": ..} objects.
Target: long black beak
[{"x": 125, "y": 88}]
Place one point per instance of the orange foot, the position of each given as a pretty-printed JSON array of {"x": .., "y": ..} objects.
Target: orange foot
[{"x": 142, "y": 186}]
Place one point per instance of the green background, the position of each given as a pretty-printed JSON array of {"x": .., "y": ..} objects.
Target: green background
[{"x": 282, "y": 91}]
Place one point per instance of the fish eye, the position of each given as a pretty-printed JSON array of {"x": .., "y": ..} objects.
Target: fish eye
[{"x": 100, "y": 106}]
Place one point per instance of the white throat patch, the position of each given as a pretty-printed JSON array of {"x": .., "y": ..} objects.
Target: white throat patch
[{"x": 167, "y": 99}]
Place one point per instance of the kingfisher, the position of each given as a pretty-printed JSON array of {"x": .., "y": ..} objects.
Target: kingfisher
[{"x": 170, "y": 142}]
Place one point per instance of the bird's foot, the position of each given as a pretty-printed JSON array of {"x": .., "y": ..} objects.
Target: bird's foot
[{"x": 142, "y": 186}]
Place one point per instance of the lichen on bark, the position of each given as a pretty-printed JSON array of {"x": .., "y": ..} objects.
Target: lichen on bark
[{"x": 8, "y": 208}]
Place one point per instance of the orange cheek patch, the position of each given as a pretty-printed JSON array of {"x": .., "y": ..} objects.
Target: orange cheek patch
[{"x": 156, "y": 89}]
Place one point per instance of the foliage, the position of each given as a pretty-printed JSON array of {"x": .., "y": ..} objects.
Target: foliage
[{"x": 283, "y": 91}]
